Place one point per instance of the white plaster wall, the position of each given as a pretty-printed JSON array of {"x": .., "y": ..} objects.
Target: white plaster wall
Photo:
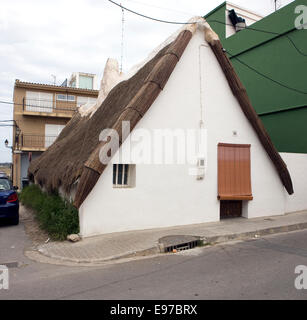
[
  {"x": 166, "y": 195},
  {"x": 297, "y": 166}
]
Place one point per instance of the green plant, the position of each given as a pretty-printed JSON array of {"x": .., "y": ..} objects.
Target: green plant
[{"x": 55, "y": 215}]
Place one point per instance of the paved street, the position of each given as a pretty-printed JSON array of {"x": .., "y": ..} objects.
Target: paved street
[{"x": 255, "y": 269}]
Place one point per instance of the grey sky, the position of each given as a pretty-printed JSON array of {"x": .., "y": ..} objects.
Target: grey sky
[{"x": 39, "y": 38}]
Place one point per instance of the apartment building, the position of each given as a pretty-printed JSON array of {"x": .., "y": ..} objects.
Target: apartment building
[{"x": 40, "y": 112}]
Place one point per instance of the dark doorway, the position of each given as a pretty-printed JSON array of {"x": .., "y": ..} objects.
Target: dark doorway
[{"x": 230, "y": 208}]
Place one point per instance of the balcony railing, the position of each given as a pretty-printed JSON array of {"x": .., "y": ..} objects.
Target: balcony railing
[
  {"x": 32, "y": 141},
  {"x": 48, "y": 106}
]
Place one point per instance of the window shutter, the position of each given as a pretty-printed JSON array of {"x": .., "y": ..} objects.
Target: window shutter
[{"x": 234, "y": 172}]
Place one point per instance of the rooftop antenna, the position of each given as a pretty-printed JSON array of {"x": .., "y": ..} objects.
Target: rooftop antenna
[
  {"x": 54, "y": 79},
  {"x": 122, "y": 40}
]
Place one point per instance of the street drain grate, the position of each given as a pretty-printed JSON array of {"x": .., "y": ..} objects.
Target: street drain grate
[
  {"x": 10, "y": 265},
  {"x": 182, "y": 247},
  {"x": 178, "y": 243}
]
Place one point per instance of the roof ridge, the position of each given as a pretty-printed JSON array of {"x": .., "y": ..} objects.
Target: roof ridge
[{"x": 138, "y": 105}]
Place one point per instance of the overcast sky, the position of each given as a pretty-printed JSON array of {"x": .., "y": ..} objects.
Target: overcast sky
[{"x": 40, "y": 38}]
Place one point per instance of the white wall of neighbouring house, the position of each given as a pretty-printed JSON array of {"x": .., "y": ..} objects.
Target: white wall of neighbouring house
[
  {"x": 166, "y": 195},
  {"x": 297, "y": 166}
]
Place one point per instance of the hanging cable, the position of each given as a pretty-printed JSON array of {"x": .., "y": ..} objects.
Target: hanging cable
[
  {"x": 29, "y": 105},
  {"x": 162, "y": 8},
  {"x": 122, "y": 41},
  {"x": 264, "y": 31},
  {"x": 296, "y": 48},
  {"x": 147, "y": 17},
  {"x": 6, "y": 102},
  {"x": 265, "y": 76},
  {"x": 175, "y": 22}
]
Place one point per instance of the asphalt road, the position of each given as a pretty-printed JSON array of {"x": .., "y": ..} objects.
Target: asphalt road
[{"x": 256, "y": 269}]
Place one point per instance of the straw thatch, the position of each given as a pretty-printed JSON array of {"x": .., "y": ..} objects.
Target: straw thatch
[
  {"x": 74, "y": 156},
  {"x": 73, "y": 160}
]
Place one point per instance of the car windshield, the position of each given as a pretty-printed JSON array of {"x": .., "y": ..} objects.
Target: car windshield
[{"x": 4, "y": 185}]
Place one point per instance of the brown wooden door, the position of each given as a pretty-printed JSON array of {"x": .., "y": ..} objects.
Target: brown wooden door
[{"x": 230, "y": 208}]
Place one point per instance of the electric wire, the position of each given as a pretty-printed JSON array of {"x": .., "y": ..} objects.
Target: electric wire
[
  {"x": 221, "y": 22},
  {"x": 264, "y": 75},
  {"x": 265, "y": 31},
  {"x": 229, "y": 53},
  {"x": 122, "y": 41},
  {"x": 161, "y": 8},
  {"x": 147, "y": 17}
]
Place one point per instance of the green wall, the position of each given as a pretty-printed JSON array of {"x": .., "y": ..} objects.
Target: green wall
[
  {"x": 215, "y": 17},
  {"x": 275, "y": 57},
  {"x": 288, "y": 130}
]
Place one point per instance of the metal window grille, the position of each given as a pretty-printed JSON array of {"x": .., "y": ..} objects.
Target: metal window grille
[{"x": 120, "y": 174}]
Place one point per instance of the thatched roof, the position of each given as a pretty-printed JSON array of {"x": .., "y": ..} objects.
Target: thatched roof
[{"x": 74, "y": 157}]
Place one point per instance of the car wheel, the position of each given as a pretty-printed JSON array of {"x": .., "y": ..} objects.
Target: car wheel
[{"x": 15, "y": 221}]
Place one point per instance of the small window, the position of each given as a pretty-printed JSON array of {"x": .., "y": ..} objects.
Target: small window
[
  {"x": 61, "y": 97},
  {"x": 86, "y": 82},
  {"x": 65, "y": 97},
  {"x": 123, "y": 175}
]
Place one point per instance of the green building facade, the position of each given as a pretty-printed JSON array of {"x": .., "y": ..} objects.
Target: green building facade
[{"x": 270, "y": 58}]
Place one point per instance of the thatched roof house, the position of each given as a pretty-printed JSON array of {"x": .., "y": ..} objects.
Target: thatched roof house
[{"x": 72, "y": 165}]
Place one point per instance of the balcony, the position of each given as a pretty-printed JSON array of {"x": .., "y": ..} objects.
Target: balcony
[
  {"x": 48, "y": 108},
  {"x": 32, "y": 142}
]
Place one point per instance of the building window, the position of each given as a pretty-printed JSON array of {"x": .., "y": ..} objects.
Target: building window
[
  {"x": 86, "y": 82},
  {"x": 38, "y": 101},
  {"x": 84, "y": 100},
  {"x": 65, "y": 97},
  {"x": 52, "y": 131},
  {"x": 123, "y": 175}
]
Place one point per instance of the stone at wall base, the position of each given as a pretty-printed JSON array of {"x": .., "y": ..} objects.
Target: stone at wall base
[{"x": 73, "y": 238}]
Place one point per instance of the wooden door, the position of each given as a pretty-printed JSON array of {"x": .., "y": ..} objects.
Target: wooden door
[{"x": 230, "y": 208}]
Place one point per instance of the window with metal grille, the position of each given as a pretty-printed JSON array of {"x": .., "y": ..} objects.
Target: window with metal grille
[
  {"x": 121, "y": 175},
  {"x": 38, "y": 101}
]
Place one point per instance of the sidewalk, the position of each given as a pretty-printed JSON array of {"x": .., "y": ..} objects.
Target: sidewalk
[{"x": 136, "y": 243}]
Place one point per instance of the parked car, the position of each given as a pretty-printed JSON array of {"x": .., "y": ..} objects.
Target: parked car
[
  {"x": 2, "y": 174},
  {"x": 9, "y": 204}
]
